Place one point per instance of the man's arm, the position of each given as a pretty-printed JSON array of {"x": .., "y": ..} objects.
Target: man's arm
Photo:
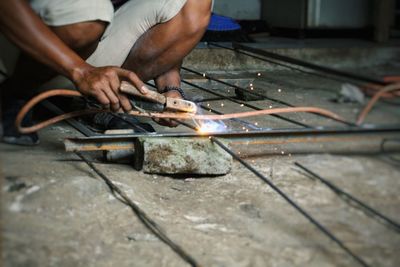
[{"x": 22, "y": 26}]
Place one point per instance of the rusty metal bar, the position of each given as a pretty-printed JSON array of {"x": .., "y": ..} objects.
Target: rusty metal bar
[{"x": 275, "y": 141}]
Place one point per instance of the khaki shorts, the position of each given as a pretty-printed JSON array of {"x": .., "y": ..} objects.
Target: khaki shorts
[{"x": 125, "y": 27}]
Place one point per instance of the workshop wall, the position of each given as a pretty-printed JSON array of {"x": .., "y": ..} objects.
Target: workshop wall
[
  {"x": 239, "y": 9},
  {"x": 322, "y": 14}
]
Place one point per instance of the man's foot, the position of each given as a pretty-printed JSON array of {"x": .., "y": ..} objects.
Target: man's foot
[
  {"x": 22, "y": 139},
  {"x": 10, "y": 109}
]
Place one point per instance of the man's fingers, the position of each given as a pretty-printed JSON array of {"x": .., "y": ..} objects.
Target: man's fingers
[
  {"x": 134, "y": 79},
  {"x": 113, "y": 99},
  {"x": 123, "y": 100},
  {"x": 103, "y": 99},
  {"x": 115, "y": 83},
  {"x": 125, "y": 103}
]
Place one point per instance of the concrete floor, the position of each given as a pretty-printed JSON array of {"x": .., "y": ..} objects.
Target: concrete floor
[{"x": 57, "y": 212}]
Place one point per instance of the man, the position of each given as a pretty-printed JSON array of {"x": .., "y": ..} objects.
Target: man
[{"x": 96, "y": 44}]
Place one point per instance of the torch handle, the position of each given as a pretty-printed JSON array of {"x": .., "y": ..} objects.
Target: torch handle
[{"x": 152, "y": 96}]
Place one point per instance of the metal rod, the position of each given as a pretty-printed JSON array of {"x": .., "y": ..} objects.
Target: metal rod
[
  {"x": 395, "y": 129},
  {"x": 394, "y": 225},
  {"x": 244, "y": 103},
  {"x": 293, "y": 204},
  {"x": 209, "y": 99},
  {"x": 309, "y": 65},
  {"x": 143, "y": 217},
  {"x": 262, "y": 145}
]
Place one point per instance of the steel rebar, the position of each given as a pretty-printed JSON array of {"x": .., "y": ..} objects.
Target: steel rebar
[
  {"x": 143, "y": 217},
  {"x": 322, "y": 228},
  {"x": 394, "y": 225}
]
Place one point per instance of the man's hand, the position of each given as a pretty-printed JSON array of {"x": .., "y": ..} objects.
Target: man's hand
[
  {"x": 103, "y": 83},
  {"x": 169, "y": 122}
]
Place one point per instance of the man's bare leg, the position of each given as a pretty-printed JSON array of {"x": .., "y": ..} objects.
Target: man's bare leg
[
  {"x": 158, "y": 54},
  {"x": 163, "y": 47}
]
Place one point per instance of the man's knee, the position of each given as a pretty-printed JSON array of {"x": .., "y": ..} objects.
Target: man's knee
[
  {"x": 81, "y": 35},
  {"x": 196, "y": 15}
]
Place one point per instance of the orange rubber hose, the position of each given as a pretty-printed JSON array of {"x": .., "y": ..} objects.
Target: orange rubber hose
[
  {"x": 387, "y": 89},
  {"x": 370, "y": 89},
  {"x": 37, "y": 99},
  {"x": 167, "y": 115},
  {"x": 175, "y": 115},
  {"x": 392, "y": 79}
]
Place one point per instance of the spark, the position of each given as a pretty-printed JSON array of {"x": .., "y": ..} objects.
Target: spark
[
  {"x": 270, "y": 106},
  {"x": 259, "y": 74},
  {"x": 279, "y": 90},
  {"x": 242, "y": 105},
  {"x": 204, "y": 75},
  {"x": 205, "y": 127},
  {"x": 256, "y": 124},
  {"x": 222, "y": 104}
]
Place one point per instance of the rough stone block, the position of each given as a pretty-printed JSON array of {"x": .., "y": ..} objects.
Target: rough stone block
[{"x": 181, "y": 156}]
